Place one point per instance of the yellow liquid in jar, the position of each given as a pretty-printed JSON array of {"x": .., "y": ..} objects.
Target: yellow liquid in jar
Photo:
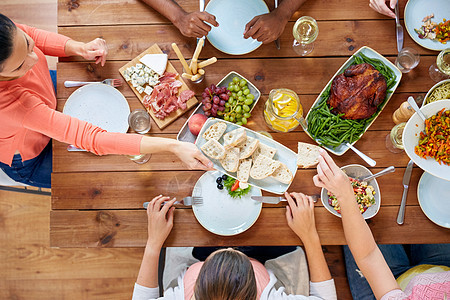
[{"x": 284, "y": 106}]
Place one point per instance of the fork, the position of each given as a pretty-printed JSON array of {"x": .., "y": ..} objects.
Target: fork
[
  {"x": 111, "y": 82},
  {"x": 187, "y": 201}
]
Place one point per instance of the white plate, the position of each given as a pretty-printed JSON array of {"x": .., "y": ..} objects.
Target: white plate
[
  {"x": 220, "y": 213},
  {"x": 434, "y": 199},
  {"x": 284, "y": 155},
  {"x": 411, "y": 135},
  {"x": 101, "y": 105},
  {"x": 355, "y": 171},
  {"x": 369, "y": 52},
  {"x": 416, "y": 10},
  {"x": 232, "y": 16}
]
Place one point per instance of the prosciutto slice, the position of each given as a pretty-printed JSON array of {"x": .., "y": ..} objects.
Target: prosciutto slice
[{"x": 164, "y": 98}]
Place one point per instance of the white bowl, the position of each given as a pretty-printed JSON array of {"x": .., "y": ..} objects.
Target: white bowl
[
  {"x": 355, "y": 171},
  {"x": 433, "y": 88},
  {"x": 411, "y": 135}
]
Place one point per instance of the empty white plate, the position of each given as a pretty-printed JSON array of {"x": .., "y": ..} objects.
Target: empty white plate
[{"x": 434, "y": 199}]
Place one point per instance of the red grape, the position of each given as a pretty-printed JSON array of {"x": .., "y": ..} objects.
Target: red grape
[
  {"x": 222, "y": 103},
  {"x": 215, "y": 106},
  {"x": 207, "y": 113}
]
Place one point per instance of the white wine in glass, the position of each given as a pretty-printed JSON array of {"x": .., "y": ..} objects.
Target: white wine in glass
[
  {"x": 305, "y": 32},
  {"x": 441, "y": 70}
]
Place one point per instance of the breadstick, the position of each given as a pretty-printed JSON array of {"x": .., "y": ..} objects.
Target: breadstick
[
  {"x": 186, "y": 75},
  {"x": 207, "y": 62},
  {"x": 201, "y": 71},
  {"x": 196, "y": 77},
  {"x": 181, "y": 58},
  {"x": 194, "y": 59}
]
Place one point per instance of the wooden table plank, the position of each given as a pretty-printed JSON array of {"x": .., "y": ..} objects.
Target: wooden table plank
[
  {"x": 335, "y": 39},
  {"x": 307, "y": 75},
  {"x": 129, "y": 229},
  {"x": 107, "y": 12},
  {"x": 128, "y": 190}
]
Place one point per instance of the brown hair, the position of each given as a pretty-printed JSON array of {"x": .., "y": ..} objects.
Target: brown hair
[{"x": 227, "y": 274}]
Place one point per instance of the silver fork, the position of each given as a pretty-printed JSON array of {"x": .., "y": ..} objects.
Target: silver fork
[
  {"x": 112, "y": 82},
  {"x": 187, "y": 201}
]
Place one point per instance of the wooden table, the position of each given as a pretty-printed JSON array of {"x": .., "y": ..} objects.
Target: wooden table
[{"x": 96, "y": 201}]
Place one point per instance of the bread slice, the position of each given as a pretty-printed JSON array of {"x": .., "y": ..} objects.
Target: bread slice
[
  {"x": 215, "y": 131},
  {"x": 234, "y": 138},
  {"x": 283, "y": 174},
  {"x": 263, "y": 167},
  {"x": 244, "y": 170},
  {"x": 308, "y": 155},
  {"x": 248, "y": 147},
  {"x": 231, "y": 160},
  {"x": 213, "y": 149},
  {"x": 265, "y": 150}
]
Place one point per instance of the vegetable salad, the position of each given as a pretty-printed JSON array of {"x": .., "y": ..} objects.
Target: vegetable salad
[{"x": 364, "y": 193}]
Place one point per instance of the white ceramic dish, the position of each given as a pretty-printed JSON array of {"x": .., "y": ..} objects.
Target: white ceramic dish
[
  {"x": 369, "y": 52},
  {"x": 185, "y": 134},
  {"x": 411, "y": 136},
  {"x": 446, "y": 81},
  {"x": 434, "y": 199},
  {"x": 416, "y": 10},
  {"x": 356, "y": 171},
  {"x": 101, "y": 105},
  {"x": 284, "y": 155},
  {"x": 220, "y": 213},
  {"x": 232, "y": 16}
]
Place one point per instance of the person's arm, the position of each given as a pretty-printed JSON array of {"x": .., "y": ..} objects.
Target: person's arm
[
  {"x": 381, "y": 7},
  {"x": 268, "y": 27},
  {"x": 360, "y": 240},
  {"x": 190, "y": 24}
]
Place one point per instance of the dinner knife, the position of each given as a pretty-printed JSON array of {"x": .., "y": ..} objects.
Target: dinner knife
[
  {"x": 406, "y": 178},
  {"x": 201, "y": 8},
  {"x": 277, "y": 41},
  {"x": 399, "y": 29},
  {"x": 274, "y": 200}
]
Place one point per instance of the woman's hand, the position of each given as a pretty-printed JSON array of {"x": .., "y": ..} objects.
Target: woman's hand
[
  {"x": 160, "y": 220},
  {"x": 332, "y": 178},
  {"x": 300, "y": 216},
  {"x": 193, "y": 24},
  {"x": 95, "y": 49},
  {"x": 192, "y": 157},
  {"x": 381, "y": 7},
  {"x": 265, "y": 28}
]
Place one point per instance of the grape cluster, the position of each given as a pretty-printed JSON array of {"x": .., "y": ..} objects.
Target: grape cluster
[
  {"x": 239, "y": 104},
  {"x": 214, "y": 99}
]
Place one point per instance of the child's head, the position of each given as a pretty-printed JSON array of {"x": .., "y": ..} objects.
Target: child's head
[
  {"x": 16, "y": 50},
  {"x": 227, "y": 274}
]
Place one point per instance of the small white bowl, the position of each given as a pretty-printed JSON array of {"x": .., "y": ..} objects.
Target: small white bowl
[{"x": 356, "y": 171}]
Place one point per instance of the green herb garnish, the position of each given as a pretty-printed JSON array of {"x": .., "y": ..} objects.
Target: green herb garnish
[{"x": 229, "y": 182}]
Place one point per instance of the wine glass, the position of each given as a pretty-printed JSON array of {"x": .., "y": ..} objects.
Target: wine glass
[
  {"x": 441, "y": 69},
  {"x": 305, "y": 32}
]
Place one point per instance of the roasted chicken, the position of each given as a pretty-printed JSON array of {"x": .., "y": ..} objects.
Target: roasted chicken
[{"x": 357, "y": 92}]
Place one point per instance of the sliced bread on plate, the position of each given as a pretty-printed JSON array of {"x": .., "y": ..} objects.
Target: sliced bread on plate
[
  {"x": 244, "y": 170},
  {"x": 213, "y": 149},
  {"x": 263, "y": 167},
  {"x": 234, "y": 138},
  {"x": 283, "y": 174},
  {"x": 231, "y": 160},
  {"x": 308, "y": 155},
  {"x": 248, "y": 147},
  {"x": 265, "y": 150},
  {"x": 215, "y": 131}
]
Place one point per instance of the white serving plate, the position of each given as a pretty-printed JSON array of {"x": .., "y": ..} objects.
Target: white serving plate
[
  {"x": 369, "y": 52},
  {"x": 185, "y": 134},
  {"x": 446, "y": 81},
  {"x": 356, "y": 171},
  {"x": 218, "y": 214},
  {"x": 101, "y": 105},
  {"x": 411, "y": 136},
  {"x": 433, "y": 200},
  {"x": 284, "y": 155}
]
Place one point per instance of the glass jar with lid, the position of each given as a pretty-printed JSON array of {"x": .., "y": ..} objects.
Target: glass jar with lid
[{"x": 283, "y": 111}]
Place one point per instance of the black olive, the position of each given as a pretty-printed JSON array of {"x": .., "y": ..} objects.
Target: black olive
[
  {"x": 219, "y": 180},
  {"x": 220, "y": 186},
  {"x": 224, "y": 176}
]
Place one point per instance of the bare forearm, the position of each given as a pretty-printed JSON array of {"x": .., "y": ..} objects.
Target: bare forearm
[
  {"x": 148, "y": 273},
  {"x": 318, "y": 268},
  {"x": 168, "y": 8},
  {"x": 157, "y": 144},
  {"x": 288, "y": 7},
  {"x": 73, "y": 48}
]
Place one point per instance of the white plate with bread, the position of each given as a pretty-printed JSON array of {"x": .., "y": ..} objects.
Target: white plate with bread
[{"x": 247, "y": 155}]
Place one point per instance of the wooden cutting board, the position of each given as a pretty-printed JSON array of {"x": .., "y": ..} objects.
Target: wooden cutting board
[{"x": 169, "y": 68}]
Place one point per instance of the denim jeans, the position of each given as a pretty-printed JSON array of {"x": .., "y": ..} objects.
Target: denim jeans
[{"x": 400, "y": 258}]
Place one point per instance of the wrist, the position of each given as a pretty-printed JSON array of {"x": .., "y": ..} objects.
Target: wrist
[
  {"x": 177, "y": 16},
  {"x": 74, "y": 48},
  {"x": 282, "y": 15},
  {"x": 153, "y": 247},
  {"x": 311, "y": 239}
]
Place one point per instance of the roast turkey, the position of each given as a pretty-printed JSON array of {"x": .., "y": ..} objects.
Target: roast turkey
[{"x": 357, "y": 92}]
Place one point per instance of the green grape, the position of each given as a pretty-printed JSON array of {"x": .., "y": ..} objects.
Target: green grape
[
  {"x": 239, "y": 93},
  {"x": 230, "y": 84},
  {"x": 227, "y": 105},
  {"x": 250, "y": 96},
  {"x": 247, "y": 115},
  {"x": 234, "y": 102},
  {"x": 238, "y": 109},
  {"x": 235, "y": 79},
  {"x": 238, "y": 116},
  {"x": 230, "y": 100},
  {"x": 237, "y": 88},
  {"x": 227, "y": 110},
  {"x": 219, "y": 113},
  {"x": 244, "y": 121},
  {"x": 231, "y": 88},
  {"x": 243, "y": 82},
  {"x": 246, "y": 91},
  {"x": 226, "y": 118},
  {"x": 233, "y": 114},
  {"x": 239, "y": 123},
  {"x": 246, "y": 108},
  {"x": 231, "y": 119},
  {"x": 233, "y": 94},
  {"x": 248, "y": 101},
  {"x": 241, "y": 99}
]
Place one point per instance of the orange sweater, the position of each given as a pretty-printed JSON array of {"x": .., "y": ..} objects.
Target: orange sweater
[{"x": 28, "y": 118}]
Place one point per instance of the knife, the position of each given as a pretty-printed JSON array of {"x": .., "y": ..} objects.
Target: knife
[
  {"x": 406, "y": 178},
  {"x": 277, "y": 41},
  {"x": 399, "y": 29},
  {"x": 201, "y": 8},
  {"x": 275, "y": 200}
]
